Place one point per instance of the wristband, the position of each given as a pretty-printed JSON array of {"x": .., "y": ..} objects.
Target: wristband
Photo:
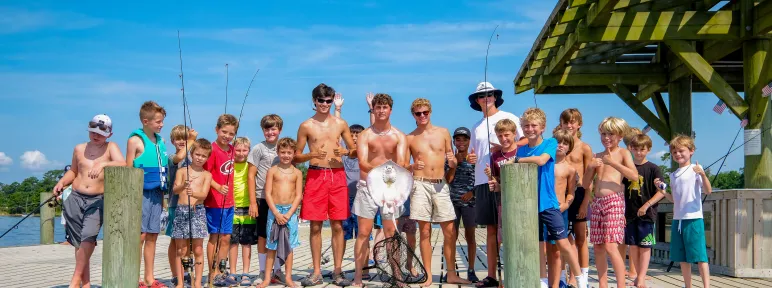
[{"x": 517, "y": 159}]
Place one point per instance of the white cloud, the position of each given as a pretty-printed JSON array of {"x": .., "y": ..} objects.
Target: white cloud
[
  {"x": 659, "y": 154},
  {"x": 5, "y": 161},
  {"x": 35, "y": 161},
  {"x": 17, "y": 20}
]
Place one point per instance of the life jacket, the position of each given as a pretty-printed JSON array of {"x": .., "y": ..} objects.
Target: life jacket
[{"x": 153, "y": 161}]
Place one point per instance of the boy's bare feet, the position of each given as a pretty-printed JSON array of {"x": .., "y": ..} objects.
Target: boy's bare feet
[{"x": 452, "y": 278}]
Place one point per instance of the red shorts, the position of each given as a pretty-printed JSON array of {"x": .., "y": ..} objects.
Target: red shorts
[
  {"x": 326, "y": 195},
  {"x": 607, "y": 221}
]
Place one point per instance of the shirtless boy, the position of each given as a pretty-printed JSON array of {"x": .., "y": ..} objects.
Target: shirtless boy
[
  {"x": 376, "y": 145},
  {"x": 565, "y": 185},
  {"x": 326, "y": 195},
  {"x": 192, "y": 185},
  {"x": 608, "y": 207},
  {"x": 430, "y": 199},
  {"x": 83, "y": 207},
  {"x": 579, "y": 158}
]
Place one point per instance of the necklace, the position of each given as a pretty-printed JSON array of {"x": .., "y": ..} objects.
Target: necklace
[
  {"x": 381, "y": 133},
  {"x": 288, "y": 173}
]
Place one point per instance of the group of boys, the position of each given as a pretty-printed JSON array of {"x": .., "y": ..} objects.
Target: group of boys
[{"x": 243, "y": 196}]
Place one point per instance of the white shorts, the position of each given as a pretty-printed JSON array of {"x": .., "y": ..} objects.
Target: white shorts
[{"x": 430, "y": 201}]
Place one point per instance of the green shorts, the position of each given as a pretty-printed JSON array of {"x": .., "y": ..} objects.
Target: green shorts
[{"x": 687, "y": 241}]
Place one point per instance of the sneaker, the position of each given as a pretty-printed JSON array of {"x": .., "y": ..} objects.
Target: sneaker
[
  {"x": 471, "y": 276},
  {"x": 341, "y": 280},
  {"x": 259, "y": 280},
  {"x": 581, "y": 282},
  {"x": 174, "y": 281},
  {"x": 312, "y": 280}
]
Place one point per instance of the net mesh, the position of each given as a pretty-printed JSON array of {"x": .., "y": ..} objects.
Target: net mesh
[{"x": 397, "y": 262}]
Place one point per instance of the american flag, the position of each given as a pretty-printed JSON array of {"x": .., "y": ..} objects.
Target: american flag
[
  {"x": 767, "y": 90},
  {"x": 719, "y": 108},
  {"x": 646, "y": 129},
  {"x": 744, "y": 122}
]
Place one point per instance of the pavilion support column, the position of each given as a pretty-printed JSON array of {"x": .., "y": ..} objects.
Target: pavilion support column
[
  {"x": 758, "y": 167},
  {"x": 680, "y": 96}
]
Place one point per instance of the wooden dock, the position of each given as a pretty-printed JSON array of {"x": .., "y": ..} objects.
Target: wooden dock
[{"x": 52, "y": 265}]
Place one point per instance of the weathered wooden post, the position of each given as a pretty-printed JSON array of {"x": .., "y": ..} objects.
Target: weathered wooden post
[
  {"x": 519, "y": 215},
  {"x": 47, "y": 215},
  {"x": 122, "y": 218}
]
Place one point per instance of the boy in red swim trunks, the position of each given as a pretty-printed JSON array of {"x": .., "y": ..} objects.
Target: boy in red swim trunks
[{"x": 326, "y": 192}]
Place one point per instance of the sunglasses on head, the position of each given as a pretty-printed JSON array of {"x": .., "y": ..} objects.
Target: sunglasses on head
[
  {"x": 101, "y": 126},
  {"x": 320, "y": 100},
  {"x": 419, "y": 113}
]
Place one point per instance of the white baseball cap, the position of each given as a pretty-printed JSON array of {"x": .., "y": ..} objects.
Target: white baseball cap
[{"x": 101, "y": 124}]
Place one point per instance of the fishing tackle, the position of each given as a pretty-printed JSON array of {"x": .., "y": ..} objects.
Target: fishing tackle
[
  {"x": 187, "y": 261},
  {"x": 52, "y": 198},
  {"x": 222, "y": 265}
]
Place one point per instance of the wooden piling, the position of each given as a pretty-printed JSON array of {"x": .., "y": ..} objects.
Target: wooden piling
[
  {"x": 520, "y": 225},
  {"x": 47, "y": 215},
  {"x": 122, "y": 218}
]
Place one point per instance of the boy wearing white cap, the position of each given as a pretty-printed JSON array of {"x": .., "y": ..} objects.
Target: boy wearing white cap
[
  {"x": 83, "y": 207},
  {"x": 487, "y": 100}
]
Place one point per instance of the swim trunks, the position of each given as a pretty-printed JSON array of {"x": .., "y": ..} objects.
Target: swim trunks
[
  {"x": 326, "y": 195},
  {"x": 84, "y": 217},
  {"x": 640, "y": 233},
  {"x": 687, "y": 242},
  {"x": 607, "y": 222},
  {"x": 152, "y": 207},
  {"x": 573, "y": 209},
  {"x": 219, "y": 220},
  {"x": 244, "y": 227},
  {"x": 292, "y": 224},
  {"x": 430, "y": 201},
  {"x": 183, "y": 222}
]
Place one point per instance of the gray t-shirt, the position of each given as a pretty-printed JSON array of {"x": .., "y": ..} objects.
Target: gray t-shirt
[
  {"x": 351, "y": 165},
  {"x": 263, "y": 156},
  {"x": 172, "y": 176}
]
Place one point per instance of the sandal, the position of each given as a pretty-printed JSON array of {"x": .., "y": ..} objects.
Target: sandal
[
  {"x": 245, "y": 281},
  {"x": 341, "y": 280},
  {"x": 312, "y": 280},
  {"x": 157, "y": 284},
  {"x": 487, "y": 282},
  {"x": 142, "y": 284}
]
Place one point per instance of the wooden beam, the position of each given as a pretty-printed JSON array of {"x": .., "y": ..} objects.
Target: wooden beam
[
  {"x": 639, "y": 108},
  {"x": 579, "y": 3},
  {"x": 564, "y": 53},
  {"x": 599, "y": 12},
  {"x": 569, "y": 79},
  {"x": 762, "y": 18},
  {"x": 574, "y": 14},
  {"x": 709, "y": 76},
  {"x": 646, "y": 91},
  {"x": 615, "y": 69},
  {"x": 546, "y": 53},
  {"x": 521, "y": 89},
  {"x": 680, "y": 98},
  {"x": 756, "y": 70},
  {"x": 665, "y": 25},
  {"x": 659, "y": 106},
  {"x": 563, "y": 29},
  {"x": 712, "y": 51},
  {"x": 554, "y": 41},
  {"x": 608, "y": 54},
  {"x": 534, "y": 72},
  {"x": 649, "y": 5}
]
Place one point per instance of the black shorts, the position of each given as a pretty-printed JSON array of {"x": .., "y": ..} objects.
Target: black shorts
[
  {"x": 244, "y": 234},
  {"x": 573, "y": 210},
  {"x": 552, "y": 221},
  {"x": 486, "y": 211},
  {"x": 262, "y": 218},
  {"x": 640, "y": 233}
]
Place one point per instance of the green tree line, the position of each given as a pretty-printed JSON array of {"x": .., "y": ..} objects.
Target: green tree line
[{"x": 724, "y": 180}]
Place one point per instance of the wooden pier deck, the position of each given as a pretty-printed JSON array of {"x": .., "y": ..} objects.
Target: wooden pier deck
[{"x": 52, "y": 265}]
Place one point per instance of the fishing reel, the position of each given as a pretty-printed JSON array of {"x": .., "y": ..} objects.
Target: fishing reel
[
  {"x": 223, "y": 267},
  {"x": 187, "y": 264}
]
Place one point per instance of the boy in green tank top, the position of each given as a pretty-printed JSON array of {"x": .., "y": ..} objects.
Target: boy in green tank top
[
  {"x": 244, "y": 225},
  {"x": 146, "y": 150}
]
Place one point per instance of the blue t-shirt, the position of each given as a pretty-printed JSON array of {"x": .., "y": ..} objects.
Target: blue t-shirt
[{"x": 546, "y": 172}]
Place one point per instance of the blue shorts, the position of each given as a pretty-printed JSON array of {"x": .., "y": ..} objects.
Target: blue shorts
[
  {"x": 350, "y": 225},
  {"x": 219, "y": 221},
  {"x": 640, "y": 233},
  {"x": 151, "y": 211},
  {"x": 544, "y": 228},
  {"x": 687, "y": 241},
  {"x": 552, "y": 227},
  {"x": 292, "y": 224}
]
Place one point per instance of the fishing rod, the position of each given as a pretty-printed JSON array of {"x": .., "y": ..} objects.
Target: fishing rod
[
  {"x": 226, "y": 88},
  {"x": 53, "y": 197},
  {"x": 723, "y": 159},
  {"x": 488, "y": 128},
  {"x": 223, "y": 263},
  {"x": 187, "y": 262}
]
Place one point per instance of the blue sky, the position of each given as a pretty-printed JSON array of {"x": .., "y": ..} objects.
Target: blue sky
[{"x": 62, "y": 63}]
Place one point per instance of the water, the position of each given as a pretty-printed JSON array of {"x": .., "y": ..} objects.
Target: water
[{"x": 28, "y": 232}]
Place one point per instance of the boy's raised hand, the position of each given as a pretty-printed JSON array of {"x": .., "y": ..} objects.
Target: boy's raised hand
[
  {"x": 494, "y": 186},
  {"x": 471, "y": 157},
  {"x": 339, "y": 151},
  {"x": 369, "y": 98},
  {"x": 192, "y": 135},
  {"x": 698, "y": 169},
  {"x": 607, "y": 159},
  {"x": 488, "y": 171},
  {"x": 320, "y": 153},
  {"x": 451, "y": 158},
  {"x": 338, "y": 100}
]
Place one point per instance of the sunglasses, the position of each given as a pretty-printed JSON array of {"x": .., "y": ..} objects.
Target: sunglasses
[
  {"x": 101, "y": 126},
  {"x": 486, "y": 95},
  {"x": 320, "y": 101},
  {"x": 419, "y": 113}
]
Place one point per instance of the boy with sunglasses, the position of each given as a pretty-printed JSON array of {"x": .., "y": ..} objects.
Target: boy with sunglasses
[
  {"x": 83, "y": 207},
  {"x": 326, "y": 193}
]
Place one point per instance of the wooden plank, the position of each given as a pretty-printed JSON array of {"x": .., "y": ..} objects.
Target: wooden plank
[
  {"x": 610, "y": 53},
  {"x": 535, "y": 72},
  {"x": 520, "y": 224},
  {"x": 708, "y": 76},
  {"x": 645, "y": 92},
  {"x": 574, "y": 14},
  {"x": 762, "y": 18},
  {"x": 579, "y": 3},
  {"x": 569, "y": 79},
  {"x": 664, "y": 25},
  {"x": 554, "y": 41},
  {"x": 712, "y": 51},
  {"x": 659, "y": 106},
  {"x": 637, "y": 106},
  {"x": 546, "y": 53},
  {"x": 680, "y": 97},
  {"x": 559, "y": 61},
  {"x": 563, "y": 29},
  {"x": 630, "y": 68},
  {"x": 599, "y": 12}
]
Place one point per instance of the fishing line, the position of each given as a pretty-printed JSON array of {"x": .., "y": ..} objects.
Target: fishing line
[
  {"x": 490, "y": 153},
  {"x": 227, "y": 181},
  {"x": 226, "y": 88},
  {"x": 53, "y": 197},
  {"x": 187, "y": 263}
]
